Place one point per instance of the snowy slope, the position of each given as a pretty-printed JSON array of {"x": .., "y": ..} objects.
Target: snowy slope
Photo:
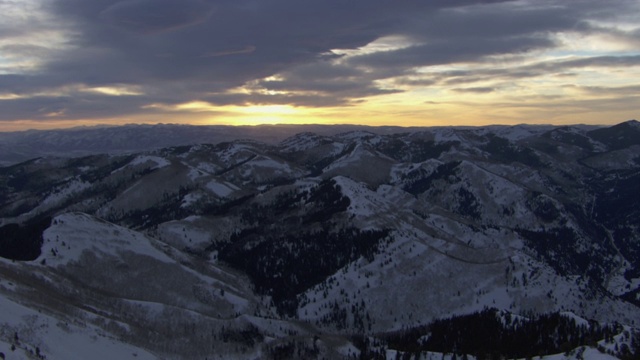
[
  {"x": 31, "y": 332},
  {"x": 250, "y": 249},
  {"x": 73, "y": 234}
]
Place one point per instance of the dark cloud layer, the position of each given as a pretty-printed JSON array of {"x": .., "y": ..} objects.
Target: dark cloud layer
[
  {"x": 176, "y": 51},
  {"x": 445, "y": 52},
  {"x": 515, "y": 73},
  {"x": 153, "y": 16}
]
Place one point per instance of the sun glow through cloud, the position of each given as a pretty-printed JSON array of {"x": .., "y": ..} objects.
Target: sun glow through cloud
[
  {"x": 266, "y": 114},
  {"x": 115, "y": 90}
]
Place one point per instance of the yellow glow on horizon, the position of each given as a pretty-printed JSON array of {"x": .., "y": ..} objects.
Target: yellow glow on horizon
[
  {"x": 268, "y": 114},
  {"x": 203, "y": 106},
  {"x": 205, "y": 113}
]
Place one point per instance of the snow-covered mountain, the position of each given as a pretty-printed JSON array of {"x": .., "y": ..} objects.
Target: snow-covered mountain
[
  {"x": 20, "y": 146},
  {"x": 358, "y": 244}
]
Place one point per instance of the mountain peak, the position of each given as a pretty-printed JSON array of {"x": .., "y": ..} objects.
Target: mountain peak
[
  {"x": 618, "y": 136},
  {"x": 633, "y": 122}
]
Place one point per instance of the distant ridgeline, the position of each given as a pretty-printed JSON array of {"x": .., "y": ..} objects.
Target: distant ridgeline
[{"x": 485, "y": 243}]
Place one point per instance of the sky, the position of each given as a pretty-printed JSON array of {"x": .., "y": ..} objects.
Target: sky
[{"x": 66, "y": 63}]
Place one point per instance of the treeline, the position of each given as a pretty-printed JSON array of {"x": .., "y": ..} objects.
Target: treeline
[
  {"x": 503, "y": 150},
  {"x": 23, "y": 241},
  {"x": 418, "y": 181},
  {"x": 318, "y": 204},
  {"x": 560, "y": 248},
  {"x": 416, "y": 150},
  {"x": 284, "y": 264},
  {"x": 491, "y": 334},
  {"x": 618, "y": 210}
]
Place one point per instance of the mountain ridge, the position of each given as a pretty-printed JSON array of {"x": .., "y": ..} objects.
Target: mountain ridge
[
  {"x": 329, "y": 236},
  {"x": 18, "y": 146}
]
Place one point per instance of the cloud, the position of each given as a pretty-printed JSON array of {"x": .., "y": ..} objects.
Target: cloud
[
  {"x": 239, "y": 51},
  {"x": 475, "y": 90},
  {"x": 311, "y": 53},
  {"x": 480, "y": 32},
  {"x": 611, "y": 91},
  {"x": 154, "y": 16},
  {"x": 542, "y": 68},
  {"x": 445, "y": 52},
  {"x": 78, "y": 105},
  {"x": 325, "y": 80},
  {"x": 592, "y": 61}
]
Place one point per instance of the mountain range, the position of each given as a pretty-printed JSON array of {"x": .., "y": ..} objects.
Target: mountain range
[
  {"x": 345, "y": 242},
  {"x": 20, "y": 146}
]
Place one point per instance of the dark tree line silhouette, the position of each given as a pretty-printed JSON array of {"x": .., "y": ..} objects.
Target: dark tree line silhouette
[
  {"x": 492, "y": 334},
  {"x": 503, "y": 150},
  {"x": 416, "y": 151},
  {"x": 23, "y": 241},
  {"x": 419, "y": 182},
  {"x": 284, "y": 265}
]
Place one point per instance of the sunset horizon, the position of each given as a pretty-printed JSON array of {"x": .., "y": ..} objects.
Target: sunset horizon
[
  {"x": 67, "y": 63},
  {"x": 320, "y": 179}
]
